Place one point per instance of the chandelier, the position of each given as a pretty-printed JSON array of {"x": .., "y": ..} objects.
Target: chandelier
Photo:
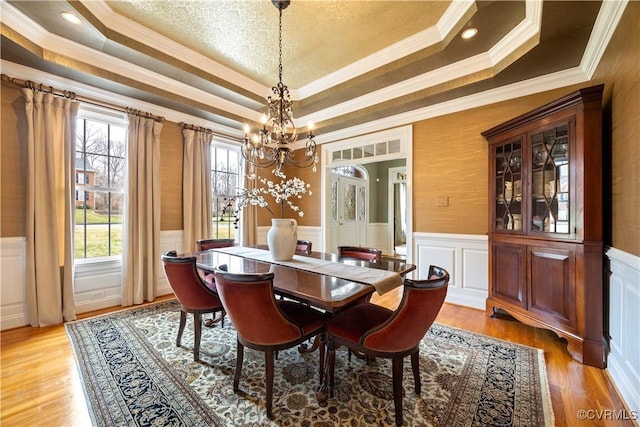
[{"x": 273, "y": 144}]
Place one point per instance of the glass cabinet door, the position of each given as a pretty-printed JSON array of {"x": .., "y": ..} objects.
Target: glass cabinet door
[
  {"x": 550, "y": 211},
  {"x": 508, "y": 181}
]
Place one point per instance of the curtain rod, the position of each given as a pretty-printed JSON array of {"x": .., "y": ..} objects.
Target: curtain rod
[
  {"x": 68, "y": 94},
  {"x": 198, "y": 128}
]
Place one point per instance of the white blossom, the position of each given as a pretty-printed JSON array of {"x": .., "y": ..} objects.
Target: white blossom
[{"x": 282, "y": 192}]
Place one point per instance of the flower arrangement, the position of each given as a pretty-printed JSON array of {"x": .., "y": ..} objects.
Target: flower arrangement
[{"x": 283, "y": 193}]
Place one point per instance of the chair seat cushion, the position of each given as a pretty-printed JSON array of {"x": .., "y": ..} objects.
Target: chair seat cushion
[
  {"x": 352, "y": 323},
  {"x": 305, "y": 317}
]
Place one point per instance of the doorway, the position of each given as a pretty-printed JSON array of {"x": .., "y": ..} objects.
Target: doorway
[
  {"x": 349, "y": 207},
  {"x": 398, "y": 210},
  {"x": 375, "y": 154}
]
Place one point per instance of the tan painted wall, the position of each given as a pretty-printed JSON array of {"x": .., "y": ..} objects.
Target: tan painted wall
[
  {"x": 13, "y": 163},
  {"x": 450, "y": 159},
  {"x": 620, "y": 71},
  {"x": 450, "y": 156}
]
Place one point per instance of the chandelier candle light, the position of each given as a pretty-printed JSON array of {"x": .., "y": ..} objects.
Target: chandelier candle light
[{"x": 272, "y": 145}]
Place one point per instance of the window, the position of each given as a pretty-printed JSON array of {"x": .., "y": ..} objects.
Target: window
[
  {"x": 226, "y": 166},
  {"x": 100, "y": 178}
]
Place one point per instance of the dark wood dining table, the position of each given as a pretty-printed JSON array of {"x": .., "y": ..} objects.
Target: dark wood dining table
[{"x": 326, "y": 292}]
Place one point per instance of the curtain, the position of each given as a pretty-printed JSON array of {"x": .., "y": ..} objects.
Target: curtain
[
  {"x": 141, "y": 233},
  {"x": 51, "y": 130},
  {"x": 400, "y": 210},
  {"x": 249, "y": 215},
  {"x": 196, "y": 187}
]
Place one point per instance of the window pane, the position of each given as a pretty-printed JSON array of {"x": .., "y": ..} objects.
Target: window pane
[
  {"x": 225, "y": 182},
  {"x": 100, "y": 178}
]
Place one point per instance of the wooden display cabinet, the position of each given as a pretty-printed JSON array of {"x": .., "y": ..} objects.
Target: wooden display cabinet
[{"x": 546, "y": 225}]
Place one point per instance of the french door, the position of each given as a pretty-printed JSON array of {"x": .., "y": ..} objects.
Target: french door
[{"x": 348, "y": 211}]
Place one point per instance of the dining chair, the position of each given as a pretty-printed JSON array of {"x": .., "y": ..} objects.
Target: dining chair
[
  {"x": 192, "y": 293},
  {"x": 360, "y": 252},
  {"x": 264, "y": 323},
  {"x": 205, "y": 245},
  {"x": 393, "y": 334},
  {"x": 303, "y": 246}
]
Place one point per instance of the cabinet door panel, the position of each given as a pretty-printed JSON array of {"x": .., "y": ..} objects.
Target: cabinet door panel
[
  {"x": 552, "y": 284},
  {"x": 508, "y": 273}
]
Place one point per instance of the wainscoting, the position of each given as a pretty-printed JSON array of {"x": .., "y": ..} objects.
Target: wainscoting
[
  {"x": 623, "y": 362},
  {"x": 464, "y": 256}
]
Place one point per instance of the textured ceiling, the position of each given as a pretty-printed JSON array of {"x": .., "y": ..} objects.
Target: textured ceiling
[
  {"x": 347, "y": 63},
  {"x": 319, "y": 37}
]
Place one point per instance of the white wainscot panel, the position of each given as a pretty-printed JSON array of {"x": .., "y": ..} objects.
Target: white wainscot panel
[
  {"x": 97, "y": 284},
  {"x": 311, "y": 233},
  {"x": 464, "y": 256},
  {"x": 172, "y": 240},
  {"x": 12, "y": 281},
  {"x": 378, "y": 237},
  {"x": 623, "y": 362}
]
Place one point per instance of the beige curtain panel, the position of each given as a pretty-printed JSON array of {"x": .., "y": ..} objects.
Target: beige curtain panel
[
  {"x": 51, "y": 124},
  {"x": 196, "y": 187},
  {"x": 141, "y": 233}
]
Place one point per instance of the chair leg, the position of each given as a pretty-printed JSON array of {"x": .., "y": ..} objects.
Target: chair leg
[
  {"x": 197, "y": 331},
  {"x": 239, "y": 360},
  {"x": 415, "y": 366},
  {"x": 183, "y": 322},
  {"x": 397, "y": 387},
  {"x": 268, "y": 358}
]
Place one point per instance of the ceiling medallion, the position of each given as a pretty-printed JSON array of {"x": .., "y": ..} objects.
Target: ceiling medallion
[{"x": 272, "y": 145}]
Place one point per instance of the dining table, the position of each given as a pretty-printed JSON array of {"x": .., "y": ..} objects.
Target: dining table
[{"x": 323, "y": 280}]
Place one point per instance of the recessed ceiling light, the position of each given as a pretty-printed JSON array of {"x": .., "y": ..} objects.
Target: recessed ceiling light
[
  {"x": 71, "y": 17},
  {"x": 469, "y": 33}
]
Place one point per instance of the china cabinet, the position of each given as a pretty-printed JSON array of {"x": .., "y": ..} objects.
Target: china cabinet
[{"x": 545, "y": 213}]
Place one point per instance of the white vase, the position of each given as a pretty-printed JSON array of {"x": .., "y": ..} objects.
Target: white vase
[{"x": 282, "y": 238}]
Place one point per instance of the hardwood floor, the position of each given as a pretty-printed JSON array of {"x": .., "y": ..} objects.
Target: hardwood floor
[{"x": 41, "y": 386}]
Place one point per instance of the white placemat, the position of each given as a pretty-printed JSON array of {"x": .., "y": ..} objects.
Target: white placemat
[{"x": 382, "y": 280}]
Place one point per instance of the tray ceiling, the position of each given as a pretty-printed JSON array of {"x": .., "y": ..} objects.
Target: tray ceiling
[{"x": 347, "y": 63}]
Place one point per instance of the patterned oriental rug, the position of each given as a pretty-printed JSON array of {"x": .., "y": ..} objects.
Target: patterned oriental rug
[{"x": 134, "y": 375}]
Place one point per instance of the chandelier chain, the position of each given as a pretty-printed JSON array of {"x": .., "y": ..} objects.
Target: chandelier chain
[{"x": 280, "y": 46}]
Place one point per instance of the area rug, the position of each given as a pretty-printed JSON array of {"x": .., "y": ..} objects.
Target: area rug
[{"x": 134, "y": 375}]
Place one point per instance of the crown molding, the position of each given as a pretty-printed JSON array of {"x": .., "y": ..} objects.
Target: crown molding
[
  {"x": 135, "y": 31},
  {"x": 421, "y": 40},
  {"x": 606, "y": 23},
  {"x": 510, "y": 43},
  {"x": 504, "y": 93},
  {"x": 78, "y": 52},
  {"x": 527, "y": 29},
  {"x": 603, "y": 29},
  {"x": 81, "y": 89}
]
